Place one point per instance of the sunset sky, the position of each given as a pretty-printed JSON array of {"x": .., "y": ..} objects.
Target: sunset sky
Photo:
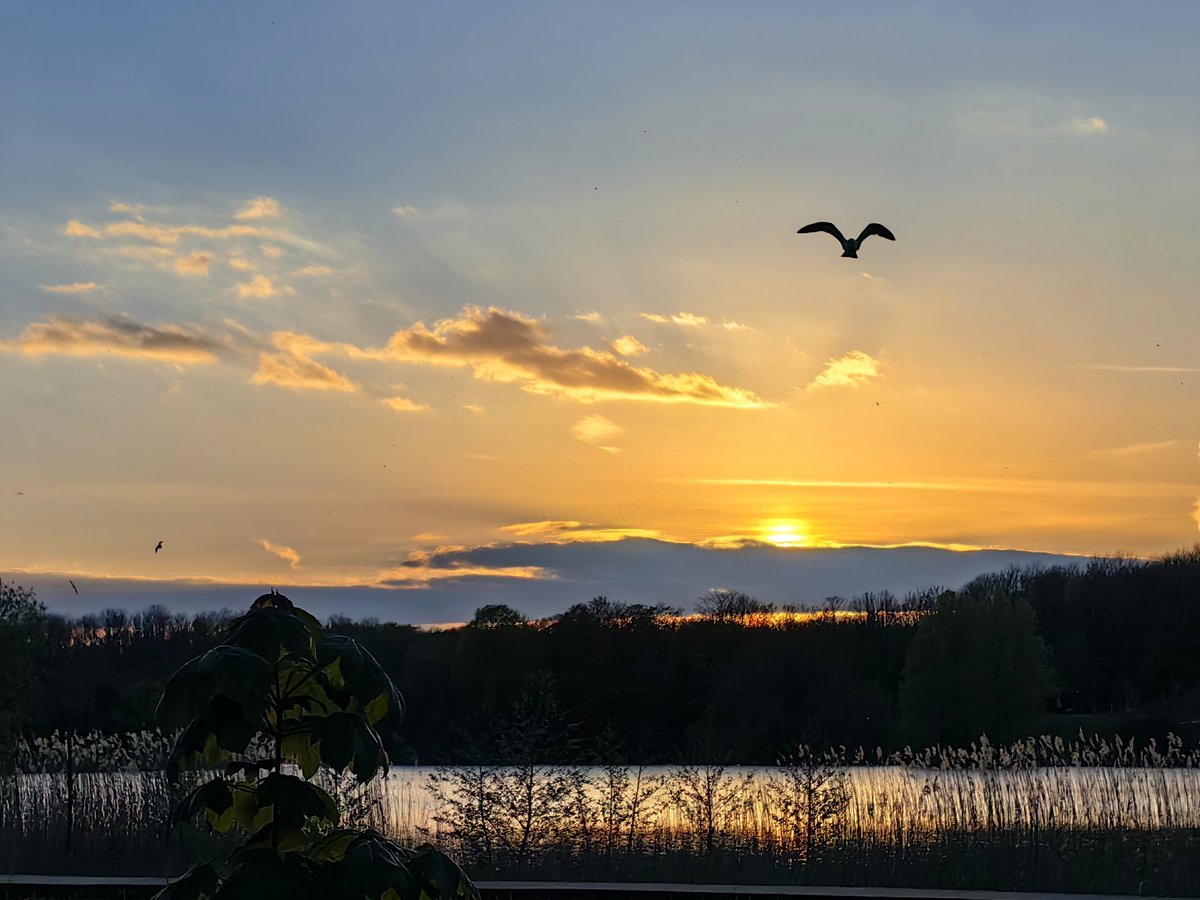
[{"x": 342, "y": 296}]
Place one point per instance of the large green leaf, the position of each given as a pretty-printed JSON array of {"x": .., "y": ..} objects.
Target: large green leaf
[
  {"x": 370, "y": 866},
  {"x": 346, "y": 741},
  {"x": 355, "y": 675},
  {"x": 215, "y": 799},
  {"x": 270, "y": 632},
  {"x": 238, "y": 673},
  {"x": 439, "y": 876},
  {"x": 297, "y": 800}
]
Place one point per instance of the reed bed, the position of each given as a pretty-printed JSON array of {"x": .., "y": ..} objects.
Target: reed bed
[{"x": 1090, "y": 815}]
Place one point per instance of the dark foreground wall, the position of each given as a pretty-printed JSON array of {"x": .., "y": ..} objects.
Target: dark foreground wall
[{"x": 28, "y": 887}]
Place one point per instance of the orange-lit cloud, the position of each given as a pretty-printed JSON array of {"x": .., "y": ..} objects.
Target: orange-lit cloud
[
  {"x": 852, "y": 370},
  {"x": 290, "y": 556},
  {"x": 75, "y": 287},
  {"x": 141, "y": 252},
  {"x": 628, "y": 345},
  {"x": 290, "y": 366},
  {"x": 75, "y": 228},
  {"x": 565, "y": 531},
  {"x": 597, "y": 431},
  {"x": 261, "y": 287},
  {"x": 590, "y": 317},
  {"x": 403, "y": 404},
  {"x": 312, "y": 270},
  {"x": 508, "y": 347},
  {"x": 271, "y": 251},
  {"x": 195, "y": 264},
  {"x": 115, "y": 335},
  {"x": 691, "y": 320},
  {"x": 260, "y": 208},
  {"x": 1133, "y": 450},
  {"x": 1196, "y": 512}
]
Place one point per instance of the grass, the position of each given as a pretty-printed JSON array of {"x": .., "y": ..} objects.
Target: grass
[{"x": 1046, "y": 815}]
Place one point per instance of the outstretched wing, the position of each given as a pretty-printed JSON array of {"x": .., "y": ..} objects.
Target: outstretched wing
[
  {"x": 875, "y": 228},
  {"x": 827, "y": 227}
]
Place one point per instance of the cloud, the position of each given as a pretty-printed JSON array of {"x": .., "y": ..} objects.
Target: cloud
[
  {"x": 75, "y": 228},
  {"x": 290, "y": 366},
  {"x": 1168, "y": 370},
  {"x": 115, "y": 336},
  {"x": 403, "y": 211},
  {"x": 1033, "y": 116},
  {"x": 272, "y": 251},
  {"x": 1133, "y": 450},
  {"x": 75, "y": 287},
  {"x": 592, "y": 317},
  {"x": 241, "y": 264},
  {"x": 261, "y": 287},
  {"x": 690, "y": 320},
  {"x": 1089, "y": 125},
  {"x": 565, "y": 531},
  {"x": 508, "y": 347},
  {"x": 290, "y": 556},
  {"x": 595, "y": 430},
  {"x": 735, "y": 326},
  {"x": 312, "y": 270},
  {"x": 134, "y": 209},
  {"x": 259, "y": 208},
  {"x": 852, "y": 370},
  {"x": 196, "y": 264},
  {"x": 165, "y": 234},
  {"x": 628, "y": 345},
  {"x": 473, "y": 407},
  {"x": 403, "y": 404},
  {"x": 141, "y": 252},
  {"x": 1196, "y": 512}
]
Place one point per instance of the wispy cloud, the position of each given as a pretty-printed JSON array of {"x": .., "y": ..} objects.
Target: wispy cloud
[
  {"x": 75, "y": 228},
  {"x": 261, "y": 287},
  {"x": 403, "y": 211},
  {"x": 75, "y": 287},
  {"x": 312, "y": 270},
  {"x": 260, "y": 208},
  {"x": 403, "y": 404},
  {"x": 1196, "y": 512},
  {"x": 194, "y": 264},
  {"x": 290, "y": 366},
  {"x": 597, "y": 431},
  {"x": 854, "y": 369},
  {"x": 115, "y": 336},
  {"x": 290, "y": 556},
  {"x": 592, "y": 317},
  {"x": 1129, "y": 450},
  {"x": 1170, "y": 370},
  {"x": 628, "y": 345},
  {"x": 565, "y": 531},
  {"x": 508, "y": 347},
  {"x": 271, "y": 251},
  {"x": 690, "y": 320}
]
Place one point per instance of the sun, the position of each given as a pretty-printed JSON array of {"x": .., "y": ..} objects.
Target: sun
[{"x": 785, "y": 533}]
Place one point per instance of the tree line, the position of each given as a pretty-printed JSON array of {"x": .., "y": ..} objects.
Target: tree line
[{"x": 1110, "y": 645}]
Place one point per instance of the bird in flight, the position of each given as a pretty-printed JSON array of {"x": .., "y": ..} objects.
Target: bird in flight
[
  {"x": 158, "y": 546},
  {"x": 75, "y": 589},
  {"x": 849, "y": 245}
]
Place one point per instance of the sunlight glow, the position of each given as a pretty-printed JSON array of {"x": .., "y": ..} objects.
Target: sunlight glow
[{"x": 786, "y": 533}]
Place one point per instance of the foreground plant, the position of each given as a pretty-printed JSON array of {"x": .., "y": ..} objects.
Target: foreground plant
[{"x": 280, "y": 697}]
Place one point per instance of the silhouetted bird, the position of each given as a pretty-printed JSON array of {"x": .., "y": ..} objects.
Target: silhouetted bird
[
  {"x": 849, "y": 245},
  {"x": 70, "y": 582},
  {"x": 158, "y": 546}
]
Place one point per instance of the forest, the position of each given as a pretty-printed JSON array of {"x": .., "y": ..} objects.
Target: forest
[{"x": 1111, "y": 646}]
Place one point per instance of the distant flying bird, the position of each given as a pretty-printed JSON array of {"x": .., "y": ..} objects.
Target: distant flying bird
[
  {"x": 75, "y": 589},
  {"x": 849, "y": 245},
  {"x": 158, "y": 546}
]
